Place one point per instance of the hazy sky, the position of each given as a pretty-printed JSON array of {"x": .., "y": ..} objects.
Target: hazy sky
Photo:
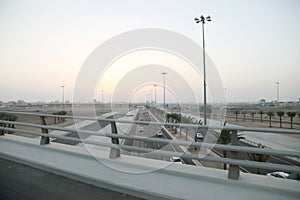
[{"x": 253, "y": 44}]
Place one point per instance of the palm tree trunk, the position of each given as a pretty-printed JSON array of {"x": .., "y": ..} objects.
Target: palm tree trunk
[
  {"x": 291, "y": 122},
  {"x": 280, "y": 122},
  {"x": 224, "y": 155},
  {"x": 260, "y": 117},
  {"x": 236, "y": 117},
  {"x": 270, "y": 121}
]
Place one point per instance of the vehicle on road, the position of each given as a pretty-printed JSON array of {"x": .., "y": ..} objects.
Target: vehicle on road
[
  {"x": 278, "y": 174},
  {"x": 199, "y": 136},
  {"x": 159, "y": 133},
  {"x": 176, "y": 159},
  {"x": 141, "y": 129}
]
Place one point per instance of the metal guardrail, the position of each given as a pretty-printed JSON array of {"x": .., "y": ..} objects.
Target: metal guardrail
[{"x": 233, "y": 162}]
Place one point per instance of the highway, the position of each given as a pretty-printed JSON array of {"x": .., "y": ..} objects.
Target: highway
[
  {"x": 95, "y": 126},
  {"x": 148, "y": 131}
]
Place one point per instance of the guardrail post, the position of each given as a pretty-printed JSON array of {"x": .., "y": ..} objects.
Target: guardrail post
[
  {"x": 234, "y": 170},
  {"x": 44, "y": 140},
  {"x": 114, "y": 153}
]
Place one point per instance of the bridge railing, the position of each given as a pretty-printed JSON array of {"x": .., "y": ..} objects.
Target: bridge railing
[{"x": 233, "y": 161}]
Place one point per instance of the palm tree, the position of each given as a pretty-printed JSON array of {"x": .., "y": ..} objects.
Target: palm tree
[
  {"x": 270, "y": 114},
  {"x": 186, "y": 120},
  {"x": 258, "y": 157},
  {"x": 168, "y": 116},
  {"x": 280, "y": 114},
  {"x": 8, "y": 117},
  {"x": 236, "y": 114},
  {"x": 3, "y": 116},
  {"x": 176, "y": 118},
  {"x": 225, "y": 138},
  {"x": 261, "y": 113},
  {"x": 252, "y": 113},
  {"x": 291, "y": 115},
  {"x": 244, "y": 115}
]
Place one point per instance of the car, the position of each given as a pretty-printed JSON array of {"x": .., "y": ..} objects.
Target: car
[
  {"x": 199, "y": 135},
  {"x": 176, "y": 159},
  {"x": 159, "y": 133},
  {"x": 141, "y": 129},
  {"x": 278, "y": 174}
]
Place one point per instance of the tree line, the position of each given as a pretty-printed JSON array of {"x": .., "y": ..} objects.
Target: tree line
[
  {"x": 8, "y": 117},
  {"x": 270, "y": 114}
]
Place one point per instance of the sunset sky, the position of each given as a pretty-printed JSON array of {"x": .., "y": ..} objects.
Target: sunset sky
[{"x": 252, "y": 44}]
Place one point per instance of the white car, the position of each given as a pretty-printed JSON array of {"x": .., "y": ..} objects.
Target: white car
[
  {"x": 175, "y": 159},
  {"x": 159, "y": 133},
  {"x": 141, "y": 129},
  {"x": 199, "y": 136},
  {"x": 278, "y": 174}
]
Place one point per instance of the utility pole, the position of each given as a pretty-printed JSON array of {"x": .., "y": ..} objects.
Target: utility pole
[
  {"x": 277, "y": 84},
  {"x": 63, "y": 96},
  {"x": 203, "y": 20},
  {"x": 164, "y": 81}
]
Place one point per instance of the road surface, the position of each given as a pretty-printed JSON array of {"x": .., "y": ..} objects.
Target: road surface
[
  {"x": 20, "y": 181},
  {"x": 148, "y": 131}
]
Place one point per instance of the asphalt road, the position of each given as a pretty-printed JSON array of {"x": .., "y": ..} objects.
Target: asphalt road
[
  {"x": 149, "y": 131},
  {"x": 23, "y": 182},
  {"x": 95, "y": 126}
]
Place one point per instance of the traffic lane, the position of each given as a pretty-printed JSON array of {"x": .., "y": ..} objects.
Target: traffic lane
[
  {"x": 165, "y": 146},
  {"x": 95, "y": 126},
  {"x": 149, "y": 131},
  {"x": 20, "y": 181}
]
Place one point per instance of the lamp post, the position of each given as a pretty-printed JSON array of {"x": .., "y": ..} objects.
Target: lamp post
[
  {"x": 154, "y": 95},
  {"x": 164, "y": 81},
  {"x": 203, "y": 20},
  {"x": 63, "y": 95},
  {"x": 150, "y": 97},
  {"x": 277, "y": 84}
]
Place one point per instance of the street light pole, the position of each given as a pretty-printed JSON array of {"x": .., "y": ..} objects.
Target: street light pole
[
  {"x": 277, "y": 83},
  {"x": 202, "y": 20},
  {"x": 63, "y": 95},
  {"x": 151, "y": 97},
  {"x": 164, "y": 80},
  {"x": 154, "y": 95}
]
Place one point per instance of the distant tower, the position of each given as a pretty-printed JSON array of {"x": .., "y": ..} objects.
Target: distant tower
[{"x": 277, "y": 89}]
